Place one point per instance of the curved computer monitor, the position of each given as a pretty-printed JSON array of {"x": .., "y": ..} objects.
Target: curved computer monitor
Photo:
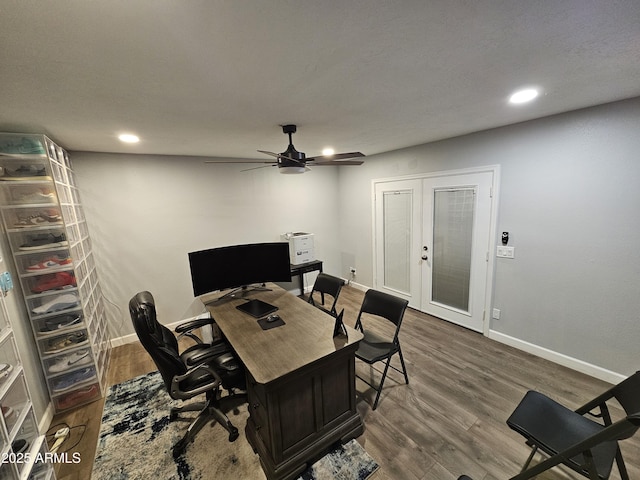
[{"x": 237, "y": 266}]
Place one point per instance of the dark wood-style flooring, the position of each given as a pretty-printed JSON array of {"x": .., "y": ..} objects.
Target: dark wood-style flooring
[{"x": 448, "y": 421}]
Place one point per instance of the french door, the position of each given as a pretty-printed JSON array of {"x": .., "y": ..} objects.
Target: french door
[{"x": 432, "y": 243}]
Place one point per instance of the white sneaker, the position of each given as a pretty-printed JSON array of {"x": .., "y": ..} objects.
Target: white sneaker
[
  {"x": 71, "y": 360},
  {"x": 36, "y": 197},
  {"x": 61, "y": 302}
]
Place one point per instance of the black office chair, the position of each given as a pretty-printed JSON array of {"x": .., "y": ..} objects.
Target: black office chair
[
  {"x": 569, "y": 437},
  {"x": 202, "y": 368},
  {"x": 326, "y": 285},
  {"x": 375, "y": 348}
]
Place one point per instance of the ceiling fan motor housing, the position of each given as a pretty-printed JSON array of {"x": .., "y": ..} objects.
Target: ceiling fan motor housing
[{"x": 291, "y": 152}]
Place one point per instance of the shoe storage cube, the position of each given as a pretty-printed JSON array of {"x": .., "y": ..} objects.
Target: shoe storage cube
[
  {"x": 80, "y": 395},
  {"x": 14, "y": 403},
  {"x": 25, "y": 439},
  {"x": 72, "y": 381},
  {"x": 37, "y": 240},
  {"x": 40, "y": 262},
  {"x": 51, "y": 326},
  {"x": 30, "y": 217},
  {"x": 36, "y": 193},
  {"x": 61, "y": 343},
  {"x": 7, "y": 471},
  {"x": 49, "y": 282},
  {"x": 9, "y": 360},
  {"x": 68, "y": 361},
  {"x": 41, "y": 470}
]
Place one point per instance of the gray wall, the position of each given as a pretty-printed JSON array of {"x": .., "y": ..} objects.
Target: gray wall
[
  {"x": 145, "y": 213},
  {"x": 569, "y": 197}
]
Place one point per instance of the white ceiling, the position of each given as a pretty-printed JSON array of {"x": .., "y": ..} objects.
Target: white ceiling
[{"x": 217, "y": 78}]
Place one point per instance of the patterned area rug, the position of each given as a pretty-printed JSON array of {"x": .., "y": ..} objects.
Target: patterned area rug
[{"x": 136, "y": 438}]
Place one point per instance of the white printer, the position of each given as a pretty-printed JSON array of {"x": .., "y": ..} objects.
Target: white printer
[{"x": 300, "y": 247}]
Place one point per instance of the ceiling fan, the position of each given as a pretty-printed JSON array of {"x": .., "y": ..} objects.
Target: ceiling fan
[{"x": 293, "y": 161}]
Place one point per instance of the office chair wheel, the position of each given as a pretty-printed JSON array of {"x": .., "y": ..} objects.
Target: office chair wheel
[{"x": 233, "y": 434}]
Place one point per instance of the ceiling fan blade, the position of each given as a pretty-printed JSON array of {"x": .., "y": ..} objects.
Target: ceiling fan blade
[
  {"x": 238, "y": 162},
  {"x": 279, "y": 155},
  {"x": 334, "y": 163},
  {"x": 335, "y": 156},
  {"x": 256, "y": 168}
]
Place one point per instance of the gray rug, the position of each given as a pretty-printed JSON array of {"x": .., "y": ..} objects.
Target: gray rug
[{"x": 136, "y": 438}]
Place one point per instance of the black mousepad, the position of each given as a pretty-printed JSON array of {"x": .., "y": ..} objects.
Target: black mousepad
[{"x": 268, "y": 325}]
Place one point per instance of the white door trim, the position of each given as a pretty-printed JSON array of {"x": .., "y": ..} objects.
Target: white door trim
[{"x": 495, "y": 169}]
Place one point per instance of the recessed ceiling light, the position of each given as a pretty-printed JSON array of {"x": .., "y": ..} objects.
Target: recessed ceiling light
[
  {"x": 327, "y": 152},
  {"x": 128, "y": 138},
  {"x": 523, "y": 96}
]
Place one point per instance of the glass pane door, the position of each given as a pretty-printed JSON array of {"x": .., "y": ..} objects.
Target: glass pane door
[
  {"x": 453, "y": 213},
  {"x": 397, "y": 239}
]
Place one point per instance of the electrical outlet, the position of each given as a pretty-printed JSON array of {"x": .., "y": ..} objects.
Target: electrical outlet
[{"x": 496, "y": 314}]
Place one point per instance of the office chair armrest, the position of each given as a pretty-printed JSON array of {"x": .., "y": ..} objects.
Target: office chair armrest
[
  {"x": 177, "y": 379},
  {"x": 185, "y": 329},
  {"x": 205, "y": 354}
]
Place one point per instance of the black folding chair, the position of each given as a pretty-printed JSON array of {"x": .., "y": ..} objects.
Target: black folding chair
[
  {"x": 326, "y": 285},
  {"x": 573, "y": 439},
  {"x": 374, "y": 347}
]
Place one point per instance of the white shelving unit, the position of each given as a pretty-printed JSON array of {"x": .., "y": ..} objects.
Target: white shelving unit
[
  {"x": 49, "y": 240},
  {"x": 22, "y": 448}
]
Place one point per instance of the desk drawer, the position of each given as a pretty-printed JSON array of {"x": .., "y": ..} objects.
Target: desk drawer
[{"x": 258, "y": 413}]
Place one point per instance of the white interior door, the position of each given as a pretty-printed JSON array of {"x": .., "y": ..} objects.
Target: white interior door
[
  {"x": 456, "y": 238},
  {"x": 398, "y": 220}
]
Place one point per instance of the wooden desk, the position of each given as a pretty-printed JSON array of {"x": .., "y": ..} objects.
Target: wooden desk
[
  {"x": 303, "y": 268},
  {"x": 300, "y": 381}
]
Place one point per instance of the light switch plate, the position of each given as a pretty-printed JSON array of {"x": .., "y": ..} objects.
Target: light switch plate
[{"x": 506, "y": 252}]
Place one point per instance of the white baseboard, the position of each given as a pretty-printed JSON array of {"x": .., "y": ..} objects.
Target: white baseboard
[
  {"x": 559, "y": 358},
  {"x": 357, "y": 286}
]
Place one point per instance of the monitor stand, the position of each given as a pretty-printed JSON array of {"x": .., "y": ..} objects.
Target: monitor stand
[{"x": 243, "y": 292}]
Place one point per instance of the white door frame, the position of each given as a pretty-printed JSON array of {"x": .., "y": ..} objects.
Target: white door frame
[{"x": 495, "y": 169}]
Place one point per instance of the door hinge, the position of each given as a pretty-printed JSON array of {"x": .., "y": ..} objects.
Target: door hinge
[
  {"x": 490, "y": 192},
  {"x": 486, "y": 259}
]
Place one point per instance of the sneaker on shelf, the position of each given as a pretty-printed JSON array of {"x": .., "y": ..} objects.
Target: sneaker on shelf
[
  {"x": 37, "y": 219},
  {"x": 20, "y": 445},
  {"x": 36, "y": 197},
  {"x": 7, "y": 412},
  {"x": 5, "y": 370},
  {"x": 74, "y": 398},
  {"x": 54, "y": 325},
  {"x": 50, "y": 263},
  {"x": 71, "y": 360},
  {"x": 24, "y": 172},
  {"x": 61, "y": 302},
  {"x": 72, "y": 379},
  {"x": 40, "y": 241},
  {"x": 66, "y": 341},
  {"x": 54, "y": 281},
  {"x": 15, "y": 145}
]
